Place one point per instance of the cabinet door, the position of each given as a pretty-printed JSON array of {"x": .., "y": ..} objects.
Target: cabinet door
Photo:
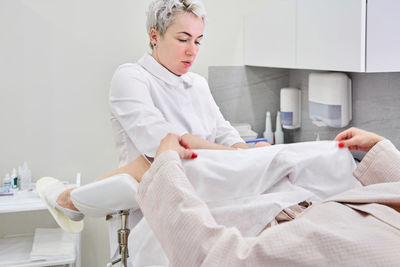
[
  {"x": 383, "y": 35},
  {"x": 331, "y": 34},
  {"x": 270, "y": 35}
]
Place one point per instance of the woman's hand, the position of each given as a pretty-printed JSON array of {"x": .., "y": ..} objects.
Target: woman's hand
[
  {"x": 357, "y": 139},
  {"x": 176, "y": 143},
  {"x": 261, "y": 144}
]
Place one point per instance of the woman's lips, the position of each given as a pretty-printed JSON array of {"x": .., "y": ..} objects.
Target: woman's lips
[{"x": 187, "y": 63}]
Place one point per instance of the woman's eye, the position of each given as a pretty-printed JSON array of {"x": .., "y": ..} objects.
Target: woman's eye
[
  {"x": 198, "y": 43},
  {"x": 182, "y": 41}
]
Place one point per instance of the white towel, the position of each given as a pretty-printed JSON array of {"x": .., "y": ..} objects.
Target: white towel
[{"x": 51, "y": 243}]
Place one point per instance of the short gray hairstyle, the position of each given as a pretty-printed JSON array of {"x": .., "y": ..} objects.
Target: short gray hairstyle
[{"x": 161, "y": 13}]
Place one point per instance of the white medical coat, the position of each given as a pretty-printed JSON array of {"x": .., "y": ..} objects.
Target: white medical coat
[{"x": 147, "y": 102}]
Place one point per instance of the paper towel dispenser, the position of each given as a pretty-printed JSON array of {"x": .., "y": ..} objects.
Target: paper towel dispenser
[{"x": 329, "y": 96}]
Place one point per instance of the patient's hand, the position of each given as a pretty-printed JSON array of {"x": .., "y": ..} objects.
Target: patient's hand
[
  {"x": 357, "y": 139},
  {"x": 176, "y": 143}
]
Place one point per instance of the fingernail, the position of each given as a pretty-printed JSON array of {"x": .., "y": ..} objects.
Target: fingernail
[
  {"x": 194, "y": 155},
  {"x": 341, "y": 144}
]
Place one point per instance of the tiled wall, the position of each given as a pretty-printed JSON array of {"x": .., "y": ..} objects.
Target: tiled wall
[{"x": 244, "y": 94}]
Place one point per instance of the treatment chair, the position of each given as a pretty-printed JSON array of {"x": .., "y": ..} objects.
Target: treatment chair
[{"x": 113, "y": 195}]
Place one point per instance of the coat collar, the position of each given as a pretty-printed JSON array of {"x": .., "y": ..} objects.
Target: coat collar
[{"x": 156, "y": 69}]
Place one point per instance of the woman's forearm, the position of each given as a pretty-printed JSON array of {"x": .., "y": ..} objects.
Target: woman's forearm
[
  {"x": 198, "y": 143},
  {"x": 140, "y": 165},
  {"x": 240, "y": 145}
]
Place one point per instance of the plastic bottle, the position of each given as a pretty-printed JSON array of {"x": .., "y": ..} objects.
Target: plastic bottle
[
  {"x": 26, "y": 177},
  {"x": 7, "y": 183},
  {"x": 278, "y": 132},
  {"x": 268, "y": 129},
  {"x": 21, "y": 177},
  {"x": 14, "y": 179}
]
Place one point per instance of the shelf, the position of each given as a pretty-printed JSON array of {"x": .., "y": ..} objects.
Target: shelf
[
  {"x": 15, "y": 251},
  {"x": 21, "y": 201}
]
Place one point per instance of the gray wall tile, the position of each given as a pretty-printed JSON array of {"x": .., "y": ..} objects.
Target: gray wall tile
[{"x": 244, "y": 94}]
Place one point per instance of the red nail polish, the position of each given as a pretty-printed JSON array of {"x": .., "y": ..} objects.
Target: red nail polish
[
  {"x": 341, "y": 144},
  {"x": 194, "y": 155}
]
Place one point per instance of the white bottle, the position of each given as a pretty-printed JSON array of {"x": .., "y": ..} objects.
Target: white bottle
[
  {"x": 7, "y": 184},
  {"x": 21, "y": 176},
  {"x": 26, "y": 177},
  {"x": 268, "y": 129},
  {"x": 278, "y": 132}
]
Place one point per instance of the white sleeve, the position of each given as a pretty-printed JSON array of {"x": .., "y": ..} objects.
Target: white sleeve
[{"x": 132, "y": 105}]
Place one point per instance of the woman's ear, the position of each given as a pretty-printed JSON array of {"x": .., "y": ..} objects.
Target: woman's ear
[{"x": 153, "y": 36}]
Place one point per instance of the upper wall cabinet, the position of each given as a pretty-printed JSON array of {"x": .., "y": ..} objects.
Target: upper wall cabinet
[{"x": 341, "y": 35}]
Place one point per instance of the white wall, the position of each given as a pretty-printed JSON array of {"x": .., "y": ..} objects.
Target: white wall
[{"x": 56, "y": 61}]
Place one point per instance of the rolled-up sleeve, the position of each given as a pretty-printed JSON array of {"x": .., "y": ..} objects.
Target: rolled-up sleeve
[
  {"x": 132, "y": 105},
  {"x": 380, "y": 165}
]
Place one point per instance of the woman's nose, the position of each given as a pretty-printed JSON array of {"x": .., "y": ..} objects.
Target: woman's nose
[{"x": 191, "y": 50}]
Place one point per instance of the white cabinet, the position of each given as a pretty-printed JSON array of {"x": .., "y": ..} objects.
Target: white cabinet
[
  {"x": 331, "y": 34},
  {"x": 341, "y": 35},
  {"x": 277, "y": 47},
  {"x": 383, "y": 38}
]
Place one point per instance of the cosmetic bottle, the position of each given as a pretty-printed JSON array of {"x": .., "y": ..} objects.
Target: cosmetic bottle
[
  {"x": 7, "y": 183},
  {"x": 14, "y": 179},
  {"x": 278, "y": 131},
  {"x": 268, "y": 134},
  {"x": 26, "y": 177}
]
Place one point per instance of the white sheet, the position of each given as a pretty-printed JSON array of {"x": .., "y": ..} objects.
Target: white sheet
[{"x": 248, "y": 188}]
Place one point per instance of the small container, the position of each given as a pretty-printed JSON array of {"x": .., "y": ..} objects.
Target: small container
[{"x": 7, "y": 183}]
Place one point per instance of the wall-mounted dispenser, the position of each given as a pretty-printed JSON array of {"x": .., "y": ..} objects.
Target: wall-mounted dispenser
[
  {"x": 329, "y": 96},
  {"x": 290, "y": 108}
]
